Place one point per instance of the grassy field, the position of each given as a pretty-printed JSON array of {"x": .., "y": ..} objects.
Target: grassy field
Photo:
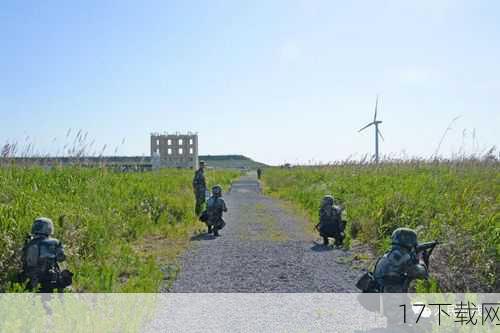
[
  {"x": 456, "y": 203},
  {"x": 118, "y": 229}
]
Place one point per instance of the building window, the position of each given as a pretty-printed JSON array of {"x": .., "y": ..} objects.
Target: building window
[
  {"x": 157, "y": 142},
  {"x": 169, "y": 142},
  {"x": 190, "y": 141},
  {"x": 180, "y": 151},
  {"x": 169, "y": 151},
  {"x": 180, "y": 142},
  {"x": 158, "y": 151},
  {"x": 191, "y": 151}
]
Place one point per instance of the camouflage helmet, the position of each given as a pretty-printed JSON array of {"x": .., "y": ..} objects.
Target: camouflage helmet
[
  {"x": 202, "y": 163},
  {"x": 217, "y": 190},
  {"x": 328, "y": 200},
  {"x": 404, "y": 237},
  {"x": 42, "y": 226}
]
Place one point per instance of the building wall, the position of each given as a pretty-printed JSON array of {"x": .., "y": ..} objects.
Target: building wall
[{"x": 174, "y": 150}]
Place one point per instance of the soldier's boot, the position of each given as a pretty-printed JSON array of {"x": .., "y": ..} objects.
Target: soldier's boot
[
  {"x": 339, "y": 241},
  {"x": 209, "y": 229},
  {"x": 325, "y": 240},
  {"x": 216, "y": 232}
]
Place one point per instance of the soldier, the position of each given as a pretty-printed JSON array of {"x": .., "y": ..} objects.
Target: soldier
[
  {"x": 259, "y": 173},
  {"x": 199, "y": 188},
  {"x": 216, "y": 206},
  {"x": 401, "y": 265},
  {"x": 41, "y": 255},
  {"x": 330, "y": 221}
]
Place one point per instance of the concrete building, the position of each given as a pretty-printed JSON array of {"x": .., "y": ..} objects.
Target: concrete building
[{"x": 174, "y": 150}]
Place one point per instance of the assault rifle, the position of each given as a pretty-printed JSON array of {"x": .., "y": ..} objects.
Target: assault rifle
[{"x": 427, "y": 249}]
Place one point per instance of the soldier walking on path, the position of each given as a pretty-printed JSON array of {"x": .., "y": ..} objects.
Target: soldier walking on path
[
  {"x": 259, "y": 173},
  {"x": 199, "y": 188}
]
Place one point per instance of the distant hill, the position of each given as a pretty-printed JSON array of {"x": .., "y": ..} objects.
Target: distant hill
[
  {"x": 230, "y": 161},
  {"x": 144, "y": 162}
]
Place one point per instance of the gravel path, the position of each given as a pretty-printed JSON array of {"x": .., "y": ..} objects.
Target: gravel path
[{"x": 263, "y": 248}]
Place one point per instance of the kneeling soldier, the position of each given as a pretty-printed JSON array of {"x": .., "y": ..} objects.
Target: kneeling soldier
[
  {"x": 330, "y": 221},
  {"x": 216, "y": 206},
  {"x": 401, "y": 265},
  {"x": 41, "y": 255}
]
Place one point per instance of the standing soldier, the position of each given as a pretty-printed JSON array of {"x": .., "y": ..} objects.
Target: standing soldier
[
  {"x": 259, "y": 173},
  {"x": 41, "y": 255},
  {"x": 199, "y": 187},
  {"x": 216, "y": 206}
]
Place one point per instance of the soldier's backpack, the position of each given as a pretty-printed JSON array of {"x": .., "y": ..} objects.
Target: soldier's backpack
[
  {"x": 30, "y": 254},
  {"x": 212, "y": 209},
  {"x": 214, "y": 214},
  {"x": 335, "y": 227},
  {"x": 46, "y": 271}
]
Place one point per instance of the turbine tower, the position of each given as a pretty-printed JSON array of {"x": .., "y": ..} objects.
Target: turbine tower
[{"x": 375, "y": 122}]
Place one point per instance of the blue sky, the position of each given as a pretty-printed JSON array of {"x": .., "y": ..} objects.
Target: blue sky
[{"x": 279, "y": 81}]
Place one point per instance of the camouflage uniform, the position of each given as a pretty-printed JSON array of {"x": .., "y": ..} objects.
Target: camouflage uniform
[
  {"x": 41, "y": 255},
  {"x": 398, "y": 267},
  {"x": 200, "y": 188},
  {"x": 330, "y": 221},
  {"x": 216, "y": 206}
]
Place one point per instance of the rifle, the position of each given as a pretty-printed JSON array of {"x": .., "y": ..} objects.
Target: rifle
[{"x": 427, "y": 249}]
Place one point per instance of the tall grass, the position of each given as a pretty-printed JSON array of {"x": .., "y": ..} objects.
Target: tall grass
[
  {"x": 105, "y": 219},
  {"x": 455, "y": 202}
]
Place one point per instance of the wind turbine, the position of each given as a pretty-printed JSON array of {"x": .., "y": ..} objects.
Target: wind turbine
[{"x": 375, "y": 122}]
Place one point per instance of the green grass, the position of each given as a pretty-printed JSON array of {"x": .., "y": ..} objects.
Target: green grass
[
  {"x": 118, "y": 228},
  {"x": 456, "y": 203}
]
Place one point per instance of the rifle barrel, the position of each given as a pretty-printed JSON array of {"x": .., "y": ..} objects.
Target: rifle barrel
[{"x": 426, "y": 246}]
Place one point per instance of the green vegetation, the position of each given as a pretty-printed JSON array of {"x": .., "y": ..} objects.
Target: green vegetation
[
  {"x": 118, "y": 229},
  {"x": 77, "y": 313},
  {"x": 456, "y": 203}
]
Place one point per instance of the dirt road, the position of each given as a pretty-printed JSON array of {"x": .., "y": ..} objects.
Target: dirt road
[{"x": 263, "y": 248}]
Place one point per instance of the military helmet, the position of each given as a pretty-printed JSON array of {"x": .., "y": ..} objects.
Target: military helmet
[
  {"x": 42, "y": 226},
  {"x": 217, "y": 190},
  {"x": 404, "y": 237},
  {"x": 328, "y": 200},
  {"x": 202, "y": 163}
]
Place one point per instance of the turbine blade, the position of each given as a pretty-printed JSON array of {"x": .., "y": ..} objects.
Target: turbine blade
[
  {"x": 376, "y": 105},
  {"x": 381, "y": 136},
  {"x": 366, "y": 126}
]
